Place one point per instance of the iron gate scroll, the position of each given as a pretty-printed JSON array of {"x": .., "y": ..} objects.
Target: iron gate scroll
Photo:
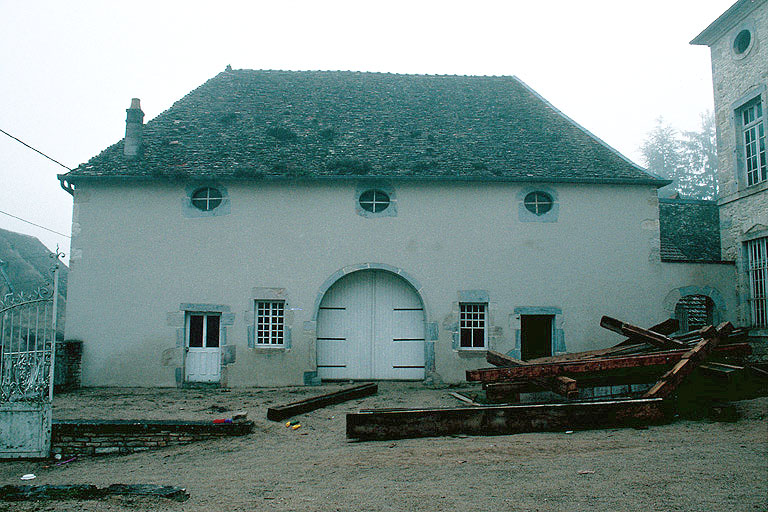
[{"x": 28, "y": 323}]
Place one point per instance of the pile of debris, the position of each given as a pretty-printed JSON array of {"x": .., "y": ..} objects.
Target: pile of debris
[
  {"x": 650, "y": 361},
  {"x": 646, "y": 356}
]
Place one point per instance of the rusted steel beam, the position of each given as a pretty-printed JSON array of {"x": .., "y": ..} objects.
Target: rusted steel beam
[
  {"x": 508, "y": 419},
  {"x": 670, "y": 381},
  {"x": 282, "y": 412},
  {"x": 574, "y": 368},
  {"x": 639, "y": 334}
]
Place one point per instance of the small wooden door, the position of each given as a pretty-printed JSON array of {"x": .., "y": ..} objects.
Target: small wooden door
[
  {"x": 371, "y": 326},
  {"x": 203, "y": 358}
]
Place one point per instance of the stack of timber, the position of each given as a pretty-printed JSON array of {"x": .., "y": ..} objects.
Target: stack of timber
[
  {"x": 646, "y": 357},
  {"x": 653, "y": 357}
]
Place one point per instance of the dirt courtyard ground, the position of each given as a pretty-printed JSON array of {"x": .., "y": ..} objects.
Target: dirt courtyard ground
[{"x": 686, "y": 465}]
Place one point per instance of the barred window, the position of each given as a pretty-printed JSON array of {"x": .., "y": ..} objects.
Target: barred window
[
  {"x": 757, "y": 271},
  {"x": 270, "y": 317},
  {"x": 694, "y": 312},
  {"x": 472, "y": 329}
]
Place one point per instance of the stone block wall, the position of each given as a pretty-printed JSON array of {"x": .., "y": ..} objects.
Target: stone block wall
[
  {"x": 735, "y": 76},
  {"x": 66, "y": 375},
  {"x": 101, "y": 437}
]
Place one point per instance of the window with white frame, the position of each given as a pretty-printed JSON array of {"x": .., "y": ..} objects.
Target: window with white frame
[
  {"x": 270, "y": 321},
  {"x": 203, "y": 330},
  {"x": 753, "y": 140},
  {"x": 473, "y": 321},
  {"x": 757, "y": 272}
]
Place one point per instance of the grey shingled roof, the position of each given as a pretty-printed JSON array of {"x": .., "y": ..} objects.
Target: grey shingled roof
[
  {"x": 689, "y": 230},
  {"x": 246, "y": 124}
]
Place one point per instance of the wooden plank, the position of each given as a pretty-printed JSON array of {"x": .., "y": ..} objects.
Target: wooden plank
[
  {"x": 463, "y": 398},
  {"x": 501, "y": 420},
  {"x": 670, "y": 381},
  {"x": 639, "y": 334},
  {"x": 282, "y": 412}
]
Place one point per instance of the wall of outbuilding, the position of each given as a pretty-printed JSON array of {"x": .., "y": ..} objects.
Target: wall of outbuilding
[{"x": 137, "y": 259}]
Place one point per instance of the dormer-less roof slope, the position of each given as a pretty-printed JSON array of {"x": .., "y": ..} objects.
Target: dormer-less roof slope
[
  {"x": 726, "y": 21},
  {"x": 246, "y": 124}
]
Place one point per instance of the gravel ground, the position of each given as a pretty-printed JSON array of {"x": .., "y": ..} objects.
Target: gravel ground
[{"x": 686, "y": 465}]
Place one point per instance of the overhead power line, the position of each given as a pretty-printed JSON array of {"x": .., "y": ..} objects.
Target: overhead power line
[
  {"x": 38, "y": 225},
  {"x": 35, "y": 150}
]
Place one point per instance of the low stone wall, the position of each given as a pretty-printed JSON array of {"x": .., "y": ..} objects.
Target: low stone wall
[{"x": 100, "y": 437}]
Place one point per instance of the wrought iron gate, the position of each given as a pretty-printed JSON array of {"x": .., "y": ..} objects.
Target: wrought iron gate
[{"x": 28, "y": 323}]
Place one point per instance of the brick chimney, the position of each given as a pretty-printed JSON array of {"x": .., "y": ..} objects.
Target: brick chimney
[{"x": 134, "y": 126}]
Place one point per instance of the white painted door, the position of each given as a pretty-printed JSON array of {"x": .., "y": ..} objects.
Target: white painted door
[
  {"x": 203, "y": 358},
  {"x": 371, "y": 326}
]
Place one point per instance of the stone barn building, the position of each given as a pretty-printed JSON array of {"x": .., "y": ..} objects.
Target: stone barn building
[{"x": 282, "y": 228}]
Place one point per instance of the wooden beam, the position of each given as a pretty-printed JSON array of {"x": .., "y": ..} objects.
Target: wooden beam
[
  {"x": 501, "y": 420},
  {"x": 499, "y": 359},
  {"x": 670, "y": 381},
  {"x": 590, "y": 354},
  {"x": 508, "y": 392},
  {"x": 282, "y": 412},
  {"x": 667, "y": 327},
  {"x": 639, "y": 334},
  {"x": 574, "y": 368}
]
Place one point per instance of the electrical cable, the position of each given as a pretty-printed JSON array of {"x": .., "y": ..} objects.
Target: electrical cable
[{"x": 38, "y": 225}]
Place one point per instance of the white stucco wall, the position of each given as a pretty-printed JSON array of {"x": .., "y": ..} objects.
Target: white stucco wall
[{"x": 136, "y": 257}]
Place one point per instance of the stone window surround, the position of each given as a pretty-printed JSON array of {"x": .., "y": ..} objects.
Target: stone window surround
[
  {"x": 744, "y": 25},
  {"x": 265, "y": 294},
  {"x": 736, "y": 125},
  {"x": 188, "y": 210},
  {"x": 674, "y": 296},
  {"x": 524, "y": 215},
  {"x": 492, "y": 332},
  {"x": 178, "y": 319},
  {"x": 558, "y": 334},
  {"x": 745, "y": 292},
  {"x": 390, "y": 211},
  {"x": 431, "y": 329}
]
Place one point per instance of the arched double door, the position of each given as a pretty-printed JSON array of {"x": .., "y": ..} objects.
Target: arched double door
[{"x": 370, "y": 325}]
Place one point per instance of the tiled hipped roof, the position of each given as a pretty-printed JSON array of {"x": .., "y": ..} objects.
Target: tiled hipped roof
[
  {"x": 245, "y": 124},
  {"x": 689, "y": 230}
]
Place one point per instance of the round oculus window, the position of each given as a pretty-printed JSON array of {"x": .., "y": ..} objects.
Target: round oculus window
[
  {"x": 538, "y": 203},
  {"x": 206, "y": 198},
  {"x": 741, "y": 42},
  {"x": 374, "y": 201}
]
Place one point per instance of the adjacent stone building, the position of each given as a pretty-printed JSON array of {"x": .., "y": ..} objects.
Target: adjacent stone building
[
  {"x": 280, "y": 228},
  {"x": 738, "y": 41}
]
